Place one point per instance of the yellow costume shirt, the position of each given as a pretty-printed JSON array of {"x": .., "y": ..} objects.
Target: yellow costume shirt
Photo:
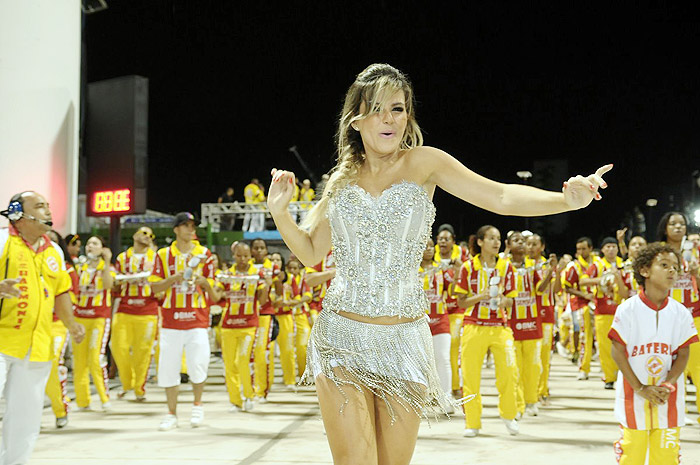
[{"x": 25, "y": 321}]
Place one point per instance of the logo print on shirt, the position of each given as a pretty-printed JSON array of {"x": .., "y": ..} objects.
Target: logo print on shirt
[
  {"x": 52, "y": 263},
  {"x": 654, "y": 365}
]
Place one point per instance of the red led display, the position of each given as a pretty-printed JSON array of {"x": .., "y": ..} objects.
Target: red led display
[{"x": 115, "y": 201}]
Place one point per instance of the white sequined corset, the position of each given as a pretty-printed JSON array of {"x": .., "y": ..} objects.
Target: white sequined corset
[{"x": 378, "y": 244}]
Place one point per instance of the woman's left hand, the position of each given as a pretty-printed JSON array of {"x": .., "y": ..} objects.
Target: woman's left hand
[{"x": 579, "y": 192}]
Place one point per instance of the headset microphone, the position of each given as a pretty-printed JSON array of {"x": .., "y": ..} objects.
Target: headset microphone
[{"x": 47, "y": 223}]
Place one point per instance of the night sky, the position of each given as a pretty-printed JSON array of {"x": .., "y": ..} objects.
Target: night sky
[{"x": 498, "y": 87}]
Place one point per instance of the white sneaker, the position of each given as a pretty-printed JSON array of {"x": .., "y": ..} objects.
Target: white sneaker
[
  {"x": 512, "y": 426},
  {"x": 197, "y": 416},
  {"x": 168, "y": 422},
  {"x": 470, "y": 433},
  {"x": 261, "y": 400},
  {"x": 248, "y": 405},
  {"x": 532, "y": 410},
  {"x": 235, "y": 409},
  {"x": 290, "y": 387},
  {"x": 582, "y": 376},
  {"x": 519, "y": 416},
  {"x": 107, "y": 406},
  {"x": 561, "y": 350}
]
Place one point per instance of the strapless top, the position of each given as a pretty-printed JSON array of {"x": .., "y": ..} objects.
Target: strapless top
[{"x": 378, "y": 244}]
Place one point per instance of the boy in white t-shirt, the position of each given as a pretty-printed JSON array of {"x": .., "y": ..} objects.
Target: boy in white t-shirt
[{"x": 651, "y": 335}]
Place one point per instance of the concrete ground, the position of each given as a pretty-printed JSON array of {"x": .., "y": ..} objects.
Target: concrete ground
[{"x": 577, "y": 428}]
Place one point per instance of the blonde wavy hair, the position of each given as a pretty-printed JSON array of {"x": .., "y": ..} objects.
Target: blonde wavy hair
[{"x": 374, "y": 86}]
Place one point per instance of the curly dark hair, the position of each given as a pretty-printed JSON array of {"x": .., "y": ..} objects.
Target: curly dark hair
[{"x": 647, "y": 255}]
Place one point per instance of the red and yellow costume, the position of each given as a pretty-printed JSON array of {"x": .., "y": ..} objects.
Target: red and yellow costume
[
  {"x": 294, "y": 329},
  {"x": 524, "y": 320},
  {"x": 545, "y": 301},
  {"x": 484, "y": 329},
  {"x": 574, "y": 272},
  {"x": 239, "y": 323},
  {"x": 264, "y": 350},
  {"x": 605, "y": 306},
  {"x": 136, "y": 322},
  {"x": 685, "y": 291},
  {"x": 94, "y": 312}
]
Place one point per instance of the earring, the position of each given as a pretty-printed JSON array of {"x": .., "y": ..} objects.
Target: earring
[{"x": 355, "y": 128}]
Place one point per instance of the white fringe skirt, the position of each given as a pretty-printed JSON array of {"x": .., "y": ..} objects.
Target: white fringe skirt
[{"x": 394, "y": 362}]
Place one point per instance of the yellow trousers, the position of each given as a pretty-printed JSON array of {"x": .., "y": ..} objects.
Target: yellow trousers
[
  {"x": 89, "y": 360},
  {"x": 663, "y": 446},
  {"x": 476, "y": 340},
  {"x": 236, "y": 349},
  {"x": 132, "y": 345},
  {"x": 545, "y": 358},
  {"x": 264, "y": 357},
  {"x": 528, "y": 358},
  {"x": 56, "y": 385},
  {"x": 301, "y": 340},
  {"x": 603, "y": 323},
  {"x": 693, "y": 367},
  {"x": 285, "y": 339},
  {"x": 587, "y": 343},
  {"x": 456, "y": 320}
]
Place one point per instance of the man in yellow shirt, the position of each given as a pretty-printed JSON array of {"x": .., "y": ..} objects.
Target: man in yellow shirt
[
  {"x": 33, "y": 284},
  {"x": 254, "y": 194}
]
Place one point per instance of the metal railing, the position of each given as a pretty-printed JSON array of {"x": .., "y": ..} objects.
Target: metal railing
[{"x": 215, "y": 213}]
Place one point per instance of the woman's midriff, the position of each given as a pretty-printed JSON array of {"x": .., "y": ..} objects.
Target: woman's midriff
[{"x": 380, "y": 320}]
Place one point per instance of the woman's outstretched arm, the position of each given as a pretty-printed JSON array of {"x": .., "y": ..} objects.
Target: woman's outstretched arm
[{"x": 452, "y": 176}]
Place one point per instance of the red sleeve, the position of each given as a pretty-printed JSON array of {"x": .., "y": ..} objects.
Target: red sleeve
[
  {"x": 74, "y": 280},
  {"x": 463, "y": 280},
  {"x": 615, "y": 336},
  {"x": 208, "y": 271},
  {"x": 571, "y": 275},
  {"x": 592, "y": 271},
  {"x": 509, "y": 285},
  {"x": 158, "y": 267}
]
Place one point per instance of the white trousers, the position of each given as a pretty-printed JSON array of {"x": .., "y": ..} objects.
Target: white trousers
[
  {"x": 254, "y": 222},
  {"x": 194, "y": 343},
  {"x": 441, "y": 345},
  {"x": 22, "y": 384}
]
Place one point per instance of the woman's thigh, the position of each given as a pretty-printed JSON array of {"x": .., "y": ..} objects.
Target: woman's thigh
[
  {"x": 351, "y": 433},
  {"x": 396, "y": 439}
]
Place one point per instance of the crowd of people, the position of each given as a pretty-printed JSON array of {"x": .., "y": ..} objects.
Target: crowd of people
[{"x": 511, "y": 307}]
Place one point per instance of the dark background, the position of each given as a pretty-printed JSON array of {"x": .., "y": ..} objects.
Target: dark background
[{"x": 498, "y": 87}]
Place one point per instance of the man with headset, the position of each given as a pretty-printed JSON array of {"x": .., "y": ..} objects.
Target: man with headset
[{"x": 34, "y": 284}]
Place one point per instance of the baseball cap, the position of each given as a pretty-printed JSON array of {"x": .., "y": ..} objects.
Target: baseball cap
[{"x": 182, "y": 218}]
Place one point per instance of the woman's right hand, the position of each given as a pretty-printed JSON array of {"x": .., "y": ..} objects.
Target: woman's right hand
[{"x": 281, "y": 191}]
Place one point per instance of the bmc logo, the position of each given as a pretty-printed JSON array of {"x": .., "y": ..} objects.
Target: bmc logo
[
  {"x": 526, "y": 326},
  {"x": 184, "y": 315}
]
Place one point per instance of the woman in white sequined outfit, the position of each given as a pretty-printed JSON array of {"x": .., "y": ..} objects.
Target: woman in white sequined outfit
[{"x": 370, "y": 351}]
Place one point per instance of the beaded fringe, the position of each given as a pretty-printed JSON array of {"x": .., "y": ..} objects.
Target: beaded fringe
[{"x": 394, "y": 362}]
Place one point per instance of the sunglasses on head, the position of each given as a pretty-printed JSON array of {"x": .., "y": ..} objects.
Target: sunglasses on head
[{"x": 73, "y": 239}]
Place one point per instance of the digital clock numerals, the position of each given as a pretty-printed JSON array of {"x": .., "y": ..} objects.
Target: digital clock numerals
[{"x": 112, "y": 201}]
